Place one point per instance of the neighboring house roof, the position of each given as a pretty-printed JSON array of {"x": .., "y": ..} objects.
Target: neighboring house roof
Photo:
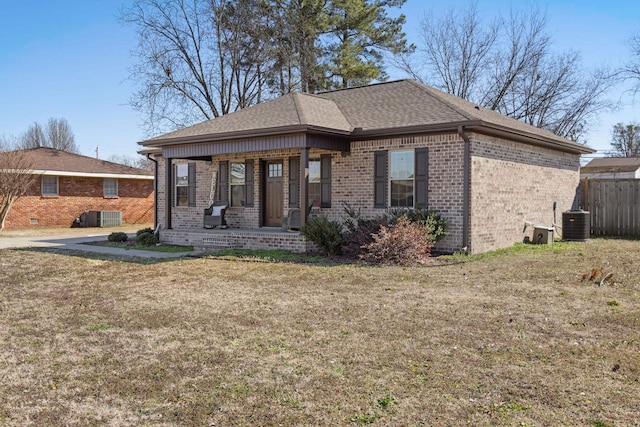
[
  {"x": 612, "y": 164},
  {"x": 383, "y": 109},
  {"x": 48, "y": 161}
]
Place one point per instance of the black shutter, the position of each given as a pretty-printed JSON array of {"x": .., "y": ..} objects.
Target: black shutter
[
  {"x": 248, "y": 183},
  {"x": 325, "y": 181},
  {"x": 380, "y": 179},
  {"x": 294, "y": 182},
  {"x": 422, "y": 177},
  {"x": 191, "y": 179},
  {"x": 223, "y": 181}
]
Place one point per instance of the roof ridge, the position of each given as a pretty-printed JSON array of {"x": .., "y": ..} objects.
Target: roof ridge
[
  {"x": 296, "y": 107},
  {"x": 362, "y": 86},
  {"x": 426, "y": 89}
]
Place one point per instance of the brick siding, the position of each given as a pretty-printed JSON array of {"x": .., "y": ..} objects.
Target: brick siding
[
  {"x": 77, "y": 195},
  {"x": 510, "y": 183}
]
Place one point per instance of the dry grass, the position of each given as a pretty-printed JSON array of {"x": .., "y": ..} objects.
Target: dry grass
[{"x": 514, "y": 338}]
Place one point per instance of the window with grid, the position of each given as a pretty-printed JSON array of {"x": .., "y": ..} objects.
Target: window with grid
[
  {"x": 110, "y": 187},
  {"x": 49, "y": 185}
]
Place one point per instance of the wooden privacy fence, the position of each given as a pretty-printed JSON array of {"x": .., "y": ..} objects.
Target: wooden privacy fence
[{"x": 614, "y": 205}]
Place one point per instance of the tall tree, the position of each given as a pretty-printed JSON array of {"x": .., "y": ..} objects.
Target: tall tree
[
  {"x": 60, "y": 136},
  {"x": 362, "y": 31},
  {"x": 631, "y": 70},
  {"x": 56, "y": 134},
  {"x": 196, "y": 59},
  {"x": 16, "y": 177},
  {"x": 508, "y": 66},
  {"x": 34, "y": 137},
  {"x": 625, "y": 140},
  {"x": 200, "y": 59}
]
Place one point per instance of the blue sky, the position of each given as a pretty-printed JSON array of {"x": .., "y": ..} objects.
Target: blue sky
[{"x": 70, "y": 58}]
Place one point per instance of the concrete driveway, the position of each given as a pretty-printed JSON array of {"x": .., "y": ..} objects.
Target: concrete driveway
[{"x": 76, "y": 240}]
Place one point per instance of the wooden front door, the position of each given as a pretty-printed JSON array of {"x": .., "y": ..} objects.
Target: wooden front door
[{"x": 273, "y": 197}]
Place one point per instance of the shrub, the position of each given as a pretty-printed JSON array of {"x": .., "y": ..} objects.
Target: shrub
[
  {"x": 360, "y": 231},
  {"x": 144, "y": 230},
  {"x": 404, "y": 242},
  {"x": 325, "y": 233},
  {"x": 117, "y": 236},
  {"x": 146, "y": 239},
  {"x": 435, "y": 226}
]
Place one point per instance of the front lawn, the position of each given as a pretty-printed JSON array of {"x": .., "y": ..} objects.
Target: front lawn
[{"x": 531, "y": 336}]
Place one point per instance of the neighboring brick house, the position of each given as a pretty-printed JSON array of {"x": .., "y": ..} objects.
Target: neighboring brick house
[
  {"x": 69, "y": 185},
  {"x": 612, "y": 168},
  {"x": 396, "y": 144}
]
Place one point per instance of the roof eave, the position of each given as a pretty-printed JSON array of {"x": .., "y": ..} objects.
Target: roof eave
[
  {"x": 224, "y": 136},
  {"x": 478, "y": 126}
]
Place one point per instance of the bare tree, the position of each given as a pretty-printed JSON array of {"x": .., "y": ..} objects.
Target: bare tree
[
  {"x": 195, "y": 60},
  {"x": 60, "y": 136},
  {"x": 34, "y": 137},
  {"x": 508, "y": 66},
  {"x": 631, "y": 70},
  {"x": 16, "y": 177},
  {"x": 139, "y": 162},
  {"x": 625, "y": 140},
  {"x": 56, "y": 134}
]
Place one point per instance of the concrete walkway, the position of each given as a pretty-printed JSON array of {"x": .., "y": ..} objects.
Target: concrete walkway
[{"x": 76, "y": 242}]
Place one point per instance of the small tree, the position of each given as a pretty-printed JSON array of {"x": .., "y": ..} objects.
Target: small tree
[
  {"x": 625, "y": 140},
  {"x": 16, "y": 177}
]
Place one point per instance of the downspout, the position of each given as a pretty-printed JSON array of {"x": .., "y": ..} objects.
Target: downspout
[
  {"x": 466, "y": 188},
  {"x": 155, "y": 191}
]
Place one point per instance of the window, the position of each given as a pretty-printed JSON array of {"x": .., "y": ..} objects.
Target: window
[
  {"x": 401, "y": 164},
  {"x": 185, "y": 183},
  {"x": 237, "y": 181},
  {"x": 315, "y": 187},
  {"x": 319, "y": 189},
  {"x": 110, "y": 187},
  {"x": 49, "y": 185},
  {"x": 400, "y": 178}
]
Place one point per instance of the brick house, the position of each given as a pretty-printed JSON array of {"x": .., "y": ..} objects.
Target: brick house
[
  {"x": 395, "y": 144},
  {"x": 70, "y": 185}
]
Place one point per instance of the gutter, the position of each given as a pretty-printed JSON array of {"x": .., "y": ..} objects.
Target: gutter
[
  {"x": 155, "y": 191},
  {"x": 466, "y": 188}
]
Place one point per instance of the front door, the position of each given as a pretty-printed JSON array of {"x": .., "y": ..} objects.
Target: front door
[{"x": 273, "y": 198}]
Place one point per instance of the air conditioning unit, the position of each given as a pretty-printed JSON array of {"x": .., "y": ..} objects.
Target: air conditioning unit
[
  {"x": 104, "y": 219},
  {"x": 542, "y": 235}
]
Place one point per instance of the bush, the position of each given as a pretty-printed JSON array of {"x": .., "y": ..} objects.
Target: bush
[
  {"x": 404, "y": 242},
  {"x": 118, "y": 236},
  {"x": 360, "y": 231},
  {"x": 144, "y": 230},
  {"x": 146, "y": 239},
  {"x": 325, "y": 233},
  {"x": 435, "y": 226}
]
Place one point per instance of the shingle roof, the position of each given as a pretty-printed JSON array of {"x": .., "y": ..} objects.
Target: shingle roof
[
  {"x": 49, "y": 159},
  {"x": 382, "y": 107},
  {"x": 612, "y": 164}
]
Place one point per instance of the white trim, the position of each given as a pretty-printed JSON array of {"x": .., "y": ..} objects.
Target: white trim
[{"x": 91, "y": 174}]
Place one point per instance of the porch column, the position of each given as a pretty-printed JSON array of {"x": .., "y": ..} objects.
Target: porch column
[
  {"x": 304, "y": 185},
  {"x": 168, "y": 191}
]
